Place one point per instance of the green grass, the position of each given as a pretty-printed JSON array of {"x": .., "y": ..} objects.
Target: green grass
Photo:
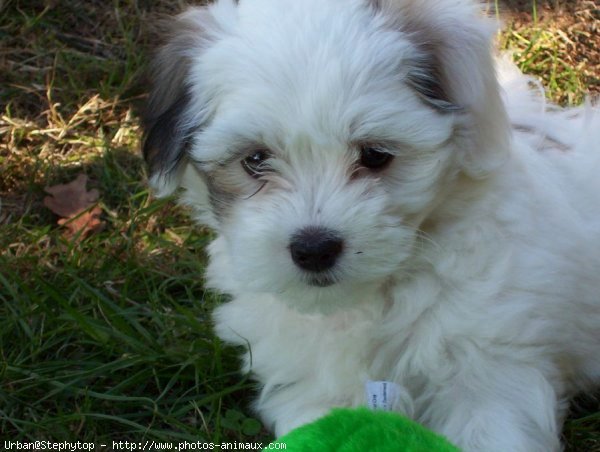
[
  {"x": 107, "y": 338},
  {"x": 110, "y": 338},
  {"x": 110, "y": 343},
  {"x": 563, "y": 52}
]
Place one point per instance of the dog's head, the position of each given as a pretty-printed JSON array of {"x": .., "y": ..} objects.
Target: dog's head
[{"x": 316, "y": 136}]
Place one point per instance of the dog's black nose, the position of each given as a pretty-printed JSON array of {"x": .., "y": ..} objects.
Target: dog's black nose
[{"x": 315, "y": 249}]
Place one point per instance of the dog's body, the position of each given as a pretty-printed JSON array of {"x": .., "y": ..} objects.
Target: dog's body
[{"x": 383, "y": 213}]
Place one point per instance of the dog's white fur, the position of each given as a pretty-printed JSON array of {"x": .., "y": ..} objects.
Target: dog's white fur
[{"x": 470, "y": 273}]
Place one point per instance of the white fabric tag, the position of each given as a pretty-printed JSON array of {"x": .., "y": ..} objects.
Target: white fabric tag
[{"x": 382, "y": 395}]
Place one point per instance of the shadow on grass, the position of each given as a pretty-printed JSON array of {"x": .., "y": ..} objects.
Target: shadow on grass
[{"x": 108, "y": 338}]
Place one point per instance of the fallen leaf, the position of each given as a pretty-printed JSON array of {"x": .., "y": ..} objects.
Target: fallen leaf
[{"x": 76, "y": 206}]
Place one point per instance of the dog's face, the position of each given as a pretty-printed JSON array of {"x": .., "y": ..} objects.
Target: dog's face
[{"x": 315, "y": 137}]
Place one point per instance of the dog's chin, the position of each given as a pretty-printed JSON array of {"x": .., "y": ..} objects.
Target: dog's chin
[
  {"x": 320, "y": 280},
  {"x": 326, "y": 295}
]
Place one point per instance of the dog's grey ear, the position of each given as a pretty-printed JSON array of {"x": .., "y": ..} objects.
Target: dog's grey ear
[
  {"x": 174, "y": 110},
  {"x": 425, "y": 79},
  {"x": 454, "y": 71}
]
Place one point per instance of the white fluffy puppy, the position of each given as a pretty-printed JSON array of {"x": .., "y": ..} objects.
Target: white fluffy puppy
[{"x": 385, "y": 209}]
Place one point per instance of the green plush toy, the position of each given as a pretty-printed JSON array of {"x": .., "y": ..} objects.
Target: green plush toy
[{"x": 360, "y": 430}]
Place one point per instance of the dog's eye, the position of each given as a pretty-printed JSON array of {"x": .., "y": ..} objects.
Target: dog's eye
[
  {"x": 254, "y": 163},
  {"x": 374, "y": 158}
]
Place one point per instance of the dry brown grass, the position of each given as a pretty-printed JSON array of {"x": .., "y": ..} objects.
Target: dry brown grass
[{"x": 559, "y": 43}]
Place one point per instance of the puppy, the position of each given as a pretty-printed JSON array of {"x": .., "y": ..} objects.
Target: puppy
[{"x": 390, "y": 204}]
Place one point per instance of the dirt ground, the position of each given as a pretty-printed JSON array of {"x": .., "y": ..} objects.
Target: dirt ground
[{"x": 577, "y": 22}]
